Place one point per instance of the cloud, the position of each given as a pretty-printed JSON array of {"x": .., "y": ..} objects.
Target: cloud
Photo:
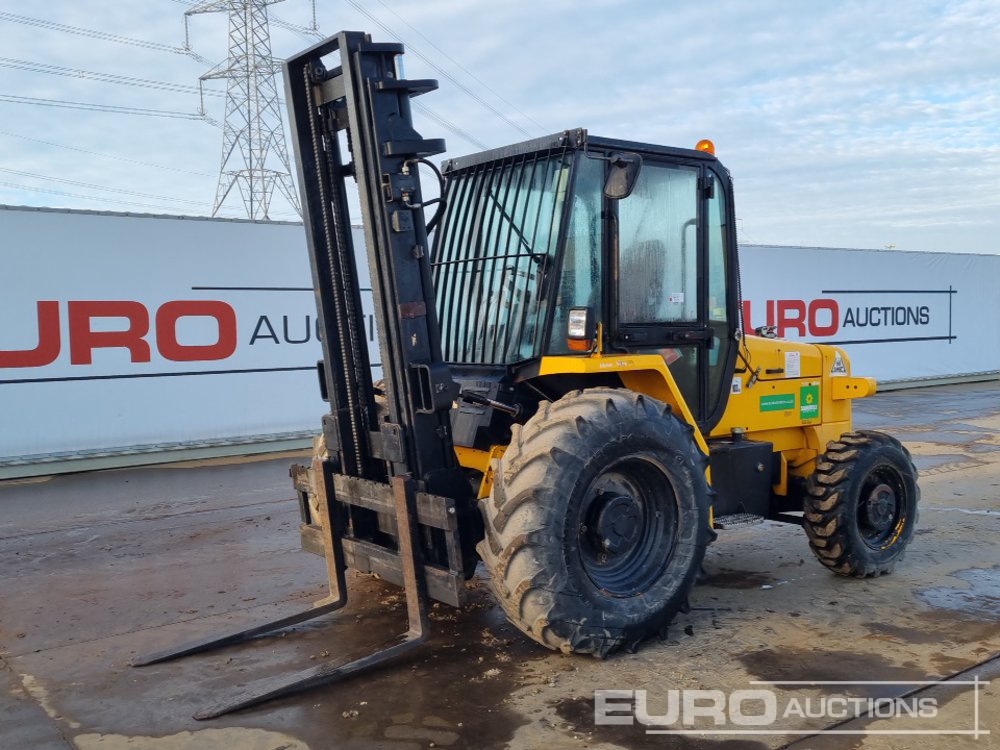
[{"x": 844, "y": 123}]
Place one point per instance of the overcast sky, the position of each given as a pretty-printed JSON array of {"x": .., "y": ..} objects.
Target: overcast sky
[{"x": 845, "y": 124}]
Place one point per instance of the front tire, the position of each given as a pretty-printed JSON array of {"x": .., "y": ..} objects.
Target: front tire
[
  {"x": 598, "y": 521},
  {"x": 861, "y": 504}
]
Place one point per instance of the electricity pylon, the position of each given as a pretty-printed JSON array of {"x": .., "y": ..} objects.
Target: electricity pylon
[{"x": 254, "y": 153}]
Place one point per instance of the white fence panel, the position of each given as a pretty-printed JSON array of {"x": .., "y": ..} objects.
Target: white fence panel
[
  {"x": 124, "y": 333},
  {"x": 899, "y": 315}
]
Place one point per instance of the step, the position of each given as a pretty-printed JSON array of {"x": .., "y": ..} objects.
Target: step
[{"x": 738, "y": 520}]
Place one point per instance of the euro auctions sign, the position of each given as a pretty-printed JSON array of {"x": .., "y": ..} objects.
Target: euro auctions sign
[
  {"x": 120, "y": 332},
  {"x": 863, "y": 315},
  {"x": 85, "y": 333},
  {"x": 899, "y": 315}
]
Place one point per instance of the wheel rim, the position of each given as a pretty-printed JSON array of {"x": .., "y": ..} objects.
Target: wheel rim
[
  {"x": 627, "y": 526},
  {"x": 882, "y": 507}
]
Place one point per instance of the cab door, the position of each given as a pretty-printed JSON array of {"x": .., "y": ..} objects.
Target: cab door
[{"x": 673, "y": 295}]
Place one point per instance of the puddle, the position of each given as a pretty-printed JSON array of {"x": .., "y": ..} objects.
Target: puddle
[
  {"x": 943, "y": 463},
  {"x": 943, "y": 694},
  {"x": 949, "y": 665},
  {"x": 41, "y": 696},
  {"x": 205, "y": 739},
  {"x": 941, "y": 628},
  {"x": 902, "y": 633},
  {"x": 981, "y": 598},
  {"x": 961, "y": 436},
  {"x": 454, "y": 692},
  {"x": 817, "y": 665},
  {"x": 966, "y": 511},
  {"x": 726, "y": 578},
  {"x": 413, "y": 701},
  {"x": 578, "y": 715}
]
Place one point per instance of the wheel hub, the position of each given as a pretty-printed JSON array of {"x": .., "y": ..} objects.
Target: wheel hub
[
  {"x": 880, "y": 507},
  {"x": 628, "y": 523},
  {"x": 617, "y": 522}
]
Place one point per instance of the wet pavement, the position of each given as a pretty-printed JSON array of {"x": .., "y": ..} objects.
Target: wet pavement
[{"x": 100, "y": 567}]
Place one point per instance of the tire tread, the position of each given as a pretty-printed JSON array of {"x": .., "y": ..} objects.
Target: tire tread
[
  {"x": 531, "y": 599},
  {"x": 827, "y": 503}
]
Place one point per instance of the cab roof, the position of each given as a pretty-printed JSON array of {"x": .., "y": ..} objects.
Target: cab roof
[{"x": 578, "y": 139}]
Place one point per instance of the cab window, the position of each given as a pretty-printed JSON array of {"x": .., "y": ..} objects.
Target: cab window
[
  {"x": 658, "y": 247},
  {"x": 580, "y": 284}
]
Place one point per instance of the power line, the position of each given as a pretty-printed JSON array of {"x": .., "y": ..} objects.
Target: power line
[
  {"x": 517, "y": 126},
  {"x": 146, "y": 83},
  {"x": 449, "y": 125},
  {"x": 104, "y": 155},
  {"x": 306, "y": 32},
  {"x": 95, "y": 34},
  {"x": 92, "y": 186},
  {"x": 312, "y": 33},
  {"x": 93, "y": 107},
  {"x": 461, "y": 67},
  {"x": 101, "y": 199},
  {"x": 104, "y": 35}
]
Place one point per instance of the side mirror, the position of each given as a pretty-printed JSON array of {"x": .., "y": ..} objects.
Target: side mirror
[{"x": 622, "y": 176}]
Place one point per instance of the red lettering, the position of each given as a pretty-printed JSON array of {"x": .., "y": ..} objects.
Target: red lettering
[
  {"x": 49, "y": 341},
  {"x": 785, "y": 319},
  {"x": 820, "y": 318},
  {"x": 166, "y": 330},
  {"x": 83, "y": 340},
  {"x": 831, "y": 306}
]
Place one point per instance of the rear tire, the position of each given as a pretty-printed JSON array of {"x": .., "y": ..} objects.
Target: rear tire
[
  {"x": 861, "y": 504},
  {"x": 598, "y": 521}
]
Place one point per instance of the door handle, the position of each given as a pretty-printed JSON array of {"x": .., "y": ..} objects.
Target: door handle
[{"x": 698, "y": 334}]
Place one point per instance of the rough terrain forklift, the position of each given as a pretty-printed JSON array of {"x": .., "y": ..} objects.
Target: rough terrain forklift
[{"x": 568, "y": 394}]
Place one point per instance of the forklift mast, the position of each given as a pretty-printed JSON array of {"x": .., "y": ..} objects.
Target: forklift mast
[
  {"x": 392, "y": 493},
  {"x": 365, "y": 99}
]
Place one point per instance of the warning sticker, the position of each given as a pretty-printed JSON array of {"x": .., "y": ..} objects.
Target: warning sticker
[
  {"x": 793, "y": 364},
  {"x": 809, "y": 401},
  {"x": 777, "y": 402},
  {"x": 839, "y": 368},
  {"x": 737, "y": 384},
  {"x": 671, "y": 355}
]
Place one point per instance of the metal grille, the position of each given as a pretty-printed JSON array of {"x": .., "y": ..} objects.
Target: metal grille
[{"x": 495, "y": 245}]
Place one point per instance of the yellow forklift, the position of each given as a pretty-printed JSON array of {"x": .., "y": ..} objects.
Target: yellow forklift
[{"x": 569, "y": 396}]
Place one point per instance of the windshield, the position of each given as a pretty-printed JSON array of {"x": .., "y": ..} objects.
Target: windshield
[{"x": 495, "y": 244}]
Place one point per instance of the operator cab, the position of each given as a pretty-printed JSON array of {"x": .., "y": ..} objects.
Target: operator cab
[{"x": 573, "y": 244}]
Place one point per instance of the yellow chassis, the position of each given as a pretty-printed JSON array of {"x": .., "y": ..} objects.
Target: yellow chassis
[{"x": 798, "y": 414}]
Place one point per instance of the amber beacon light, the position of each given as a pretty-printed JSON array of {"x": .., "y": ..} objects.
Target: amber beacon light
[{"x": 705, "y": 145}]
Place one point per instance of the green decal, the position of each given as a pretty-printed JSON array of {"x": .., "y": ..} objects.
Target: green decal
[
  {"x": 809, "y": 399},
  {"x": 777, "y": 402}
]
